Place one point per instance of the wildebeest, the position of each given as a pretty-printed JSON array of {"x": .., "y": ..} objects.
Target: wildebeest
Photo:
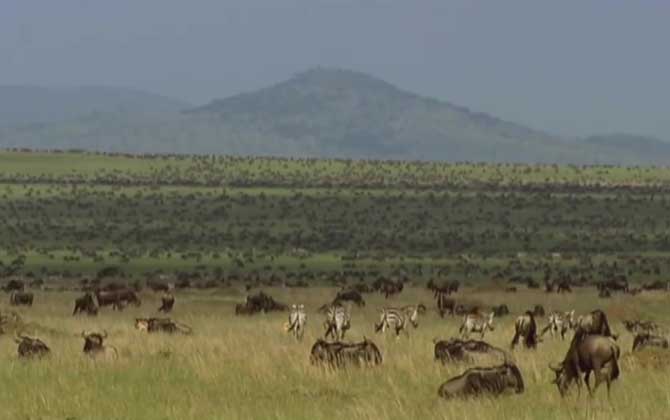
[
  {"x": 17, "y": 298},
  {"x": 538, "y": 310},
  {"x": 457, "y": 350},
  {"x": 638, "y": 326},
  {"x": 166, "y": 325},
  {"x": 117, "y": 299},
  {"x": 657, "y": 285},
  {"x": 85, "y": 304},
  {"x": 648, "y": 340},
  {"x": 259, "y": 302},
  {"x": 31, "y": 347},
  {"x": 588, "y": 353},
  {"x": 349, "y": 296},
  {"x": 297, "y": 319},
  {"x": 594, "y": 323},
  {"x": 447, "y": 287},
  {"x": 340, "y": 355},
  {"x": 390, "y": 287},
  {"x": 14, "y": 285},
  {"x": 617, "y": 284},
  {"x": 483, "y": 381},
  {"x": 564, "y": 287},
  {"x": 94, "y": 345},
  {"x": 476, "y": 323},
  {"x": 167, "y": 302},
  {"x": 525, "y": 327},
  {"x": 559, "y": 322},
  {"x": 445, "y": 304},
  {"x": 511, "y": 289},
  {"x": 604, "y": 293},
  {"x": 501, "y": 310},
  {"x": 466, "y": 309}
]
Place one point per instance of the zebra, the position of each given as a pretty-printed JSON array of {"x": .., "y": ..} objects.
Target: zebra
[
  {"x": 297, "y": 319},
  {"x": 476, "y": 323},
  {"x": 399, "y": 318},
  {"x": 560, "y": 322},
  {"x": 338, "y": 321}
]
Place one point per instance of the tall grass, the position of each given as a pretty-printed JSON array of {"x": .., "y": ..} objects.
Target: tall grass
[{"x": 248, "y": 368}]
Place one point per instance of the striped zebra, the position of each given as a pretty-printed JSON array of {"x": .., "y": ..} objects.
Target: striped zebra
[
  {"x": 297, "y": 319},
  {"x": 398, "y": 319},
  {"x": 476, "y": 323},
  {"x": 560, "y": 322},
  {"x": 338, "y": 321}
]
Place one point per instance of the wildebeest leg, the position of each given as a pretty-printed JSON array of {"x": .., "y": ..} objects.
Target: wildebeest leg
[
  {"x": 515, "y": 340},
  {"x": 588, "y": 385}
]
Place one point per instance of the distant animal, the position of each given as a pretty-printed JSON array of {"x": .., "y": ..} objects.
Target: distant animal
[
  {"x": 30, "y": 347},
  {"x": 617, "y": 284},
  {"x": 445, "y": 304},
  {"x": 350, "y": 296},
  {"x": 17, "y": 298},
  {"x": 447, "y": 287},
  {"x": 341, "y": 355},
  {"x": 511, "y": 289},
  {"x": 466, "y": 309},
  {"x": 604, "y": 293},
  {"x": 588, "y": 353},
  {"x": 483, "y": 381},
  {"x": 638, "y": 326},
  {"x": 644, "y": 340},
  {"x": 476, "y": 323},
  {"x": 117, "y": 299},
  {"x": 564, "y": 287},
  {"x": 167, "y": 302},
  {"x": 457, "y": 350},
  {"x": 166, "y": 325},
  {"x": 538, "y": 311},
  {"x": 560, "y": 322},
  {"x": 297, "y": 320},
  {"x": 85, "y": 304},
  {"x": 94, "y": 345},
  {"x": 398, "y": 319},
  {"x": 501, "y": 310},
  {"x": 390, "y": 288},
  {"x": 257, "y": 303},
  {"x": 338, "y": 321},
  {"x": 525, "y": 327}
]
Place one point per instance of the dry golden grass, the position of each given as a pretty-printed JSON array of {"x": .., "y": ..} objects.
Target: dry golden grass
[{"x": 248, "y": 368}]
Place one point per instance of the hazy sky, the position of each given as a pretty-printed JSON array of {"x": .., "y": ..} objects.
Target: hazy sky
[{"x": 572, "y": 67}]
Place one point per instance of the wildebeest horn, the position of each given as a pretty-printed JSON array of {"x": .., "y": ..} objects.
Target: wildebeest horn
[{"x": 556, "y": 367}]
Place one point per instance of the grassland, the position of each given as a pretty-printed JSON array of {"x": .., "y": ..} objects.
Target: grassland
[{"x": 67, "y": 216}]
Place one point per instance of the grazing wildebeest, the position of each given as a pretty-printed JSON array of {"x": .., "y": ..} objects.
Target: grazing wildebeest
[
  {"x": 257, "y": 303},
  {"x": 167, "y": 302},
  {"x": 391, "y": 288},
  {"x": 560, "y": 322},
  {"x": 588, "y": 353},
  {"x": 85, "y": 304},
  {"x": 445, "y": 304},
  {"x": 398, "y": 319},
  {"x": 349, "y": 296},
  {"x": 21, "y": 299},
  {"x": 525, "y": 327},
  {"x": 166, "y": 325},
  {"x": 94, "y": 345},
  {"x": 338, "y": 321},
  {"x": 487, "y": 381},
  {"x": 31, "y": 347},
  {"x": 457, "y": 350},
  {"x": 501, "y": 310},
  {"x": 594, "y": 323},
  {"x": 340, "y": 355},
  {"x": 476, "y": 323},
  {"x": 648, "y": 340},
  {"x": 297, "y": 319},
  {"x": 564, "y": 287},
  {"x": 638, "y": 326},
  {"x": 617, "y": 284},
  {"x": 657, "y": 285}
]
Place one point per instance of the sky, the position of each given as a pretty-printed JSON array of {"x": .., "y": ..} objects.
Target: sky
[{"x": 570, "y": 67}]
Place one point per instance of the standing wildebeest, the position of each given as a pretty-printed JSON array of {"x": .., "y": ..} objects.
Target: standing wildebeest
[
  {"x": 588, "y": 353},
  {"x": 167, "y": 302},
  {"x": 476, "y": 323},
  {"x": 525, "y": 327},
  {"x": 564, "y": 287},
  {"x": 604, "y": 293},
  {"x": 457, "y": 350},
  {"x": 538, "y": 310},
  {"x": 489, "y": 381},
  {"x": 637, "y": 326},
  {"x": 595, "y": 323},
  {"x": 94, "y": 345},
  {"x": 117, "y": 299},
  {"x": 31, "y": 347},
  {"x": 349, "y": 296},
  {"x": 445, "y": 304},
  {"x": 390, "y": 288},
  {"x": 500, "y": 310},
  {"x": 21, "y": 299},
  {"x": 560, "y": 322},
  {"x": 166, "y": 325},
  {"x": 297, "y": 320},
  {"x": 340, "y": 355},
  {"x": 86, "y": 304},
  {"x": 259, "y": 302},
  {"x": 647, "y": 340},
  {"x": 447, "y": 288}
]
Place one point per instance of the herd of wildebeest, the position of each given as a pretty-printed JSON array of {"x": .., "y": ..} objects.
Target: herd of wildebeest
[{"x": 593, "y": 345}]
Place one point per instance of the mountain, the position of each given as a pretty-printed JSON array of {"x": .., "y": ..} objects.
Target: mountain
[
  {"x": 317, "y": 113},
  {"x": 647, "y": 148},
  {"x": 33, "y": 104}
]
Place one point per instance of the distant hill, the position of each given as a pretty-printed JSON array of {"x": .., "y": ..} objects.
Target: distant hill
[
  {"x": 647, "y": 148},
  {"x": 33, "y": 104},
  {"x": 318, "y": 113}
]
